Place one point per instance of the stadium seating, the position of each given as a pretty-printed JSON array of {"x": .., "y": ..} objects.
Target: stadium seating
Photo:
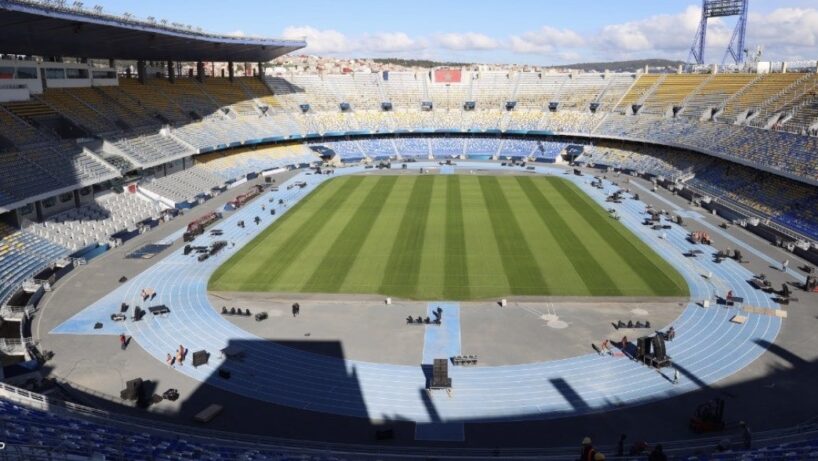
[
  {"x": 22, "y": 255},
  {"x": 714, "y": 92},
  {"x": 69, "y": 105},
  {"x": 150, "y": 124},
  {"x": 347, "y": 151},
  {"x": 580, "y": 91},
  {"x": 534, "y": 90},
  {"x": 758, "y": 91},
  {"x": 673, "y": 90},
  {"x": 185, "y": 185},
  {"x": 58, "y": 435},
  {"x": 413, "y": 147},
  {"x": 618, "y": 85},
  {"x": 154, "y": 101},
  {"x": 150, "y": 148},
  {"x": 446, "y": 147},
  {"x": 641, "y": 88},
  {"x": 240, "y": 163},
  {"x": 95, "y": 222},
  {"x": 16, "y": 130}
]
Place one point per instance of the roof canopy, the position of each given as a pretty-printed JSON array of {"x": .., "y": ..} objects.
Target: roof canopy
[{"x": 34, "y": 28}]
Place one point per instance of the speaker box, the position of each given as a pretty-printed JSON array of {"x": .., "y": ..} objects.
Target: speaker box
[
  {"x": 642, "y": 347},
  {"x": 132, "y": 389},
  {"x": 200, "y": 358},
  {"x": 440, "y": 374},
  {"x": 659, "y": 348}
]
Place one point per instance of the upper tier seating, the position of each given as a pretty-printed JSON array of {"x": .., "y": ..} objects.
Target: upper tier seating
[
  {"x": 491, "y": 90},
  {"x": 16, "y": 130},
  {"x": 673, "y": 90},
  {"x": 44, "y": 168},
  {"x": 154, "y": 101},
  {"x": 714, "y": 92},
  {"x": 642, "y": 87},
  {"x": 69, "y": 105},
  {"x": 150, "y": 148},
  {"x": 580, "y": 91},
  {"x": 183, "y": 186},
  {"x": 759, "y": 90},
  {"x": 231, "y": 95}
]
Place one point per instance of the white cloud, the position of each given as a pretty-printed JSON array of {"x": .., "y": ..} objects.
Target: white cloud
[
  {"x": 327, "y": 41},
  {"x": 791, "y": 27},
  {"x": 545, "y": 40},
  {"x": 661, "y": 34},
  {"x": 790, "y": 33},
  {"x": 467, "y": 41},
  {"x": 391, "y": 42}
]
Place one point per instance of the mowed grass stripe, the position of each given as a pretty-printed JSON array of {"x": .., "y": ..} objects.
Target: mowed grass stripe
[
  {"x": 521, "y": 268},
  {"x": 401, "y": 275},
  {"x": 367, "y": 271},
  {"x": 554, "y": 264},
  {"x": 280, "y": 260},
  {"x": 487, "y": 279},
  {"x": 306, "y": 263},
  {"x": 627, "y": 280},
  {"x": 253, "y": 256},
  {"x": 593, "y": 275},
  {"x": 456, "y": 277},
  {"x": 634, "y": 256},
  {"x": 335, "y": 265},
  {"x": 431, "y": 276}
]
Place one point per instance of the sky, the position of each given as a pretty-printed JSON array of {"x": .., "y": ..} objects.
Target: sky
[{"x": 537, "y": 32}]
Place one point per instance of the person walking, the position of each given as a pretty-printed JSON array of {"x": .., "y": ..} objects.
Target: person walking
[
  {"x": 123, "y": 342},
  {"x": 784, "y": 265},
  {"x": 675, "y": 375}
]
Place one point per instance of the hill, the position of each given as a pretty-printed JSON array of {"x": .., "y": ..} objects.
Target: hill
[{"x": 622, "y": 66}]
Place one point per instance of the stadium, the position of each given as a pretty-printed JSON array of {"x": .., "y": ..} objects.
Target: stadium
[{"x": 203, "y": 257}]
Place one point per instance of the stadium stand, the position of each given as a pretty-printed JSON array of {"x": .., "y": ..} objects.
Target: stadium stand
[
  {"x": 757, "y": 91},
  {"x": 643, "y": 86},
  {"x": 673, "y": 90},
  {"x": 241, "y": 162},
  {"x": 23, "y": 254},
  {"x": 95, "y": 222},
  {"x": 184, "y": 186},
  {"x": 713, "y": 93},
  {"x": 149, "y": 148}
]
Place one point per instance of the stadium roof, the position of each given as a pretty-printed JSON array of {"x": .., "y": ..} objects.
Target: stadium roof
[{"x": 52, "y": 28}]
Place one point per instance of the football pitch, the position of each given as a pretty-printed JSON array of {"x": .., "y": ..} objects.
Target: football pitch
[{"x": 449, "y": 237}]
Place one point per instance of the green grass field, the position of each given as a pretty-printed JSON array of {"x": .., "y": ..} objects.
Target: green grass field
[{"x": 449, "y": 237}]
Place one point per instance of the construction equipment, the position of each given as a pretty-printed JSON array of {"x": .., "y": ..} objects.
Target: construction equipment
[
  {"x": 700, "y": 237},
  {"x": 242, "y": 199},
  {"x": 198, "y": 226}
]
